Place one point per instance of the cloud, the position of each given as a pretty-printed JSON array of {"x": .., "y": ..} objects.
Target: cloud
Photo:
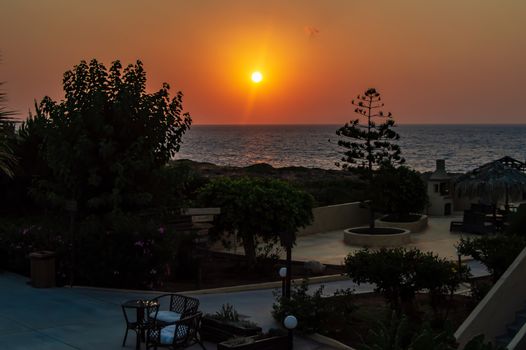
[{"x": 311, "y": 32}]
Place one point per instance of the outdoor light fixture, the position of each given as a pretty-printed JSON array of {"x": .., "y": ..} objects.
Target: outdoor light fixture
[
  {"x": 290, "y": 322},
  {"x": 283, "y": 272}
]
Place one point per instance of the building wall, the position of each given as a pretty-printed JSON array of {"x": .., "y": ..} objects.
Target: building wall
[
  {"x": 336, "y": 217},
  {"x": 498, "y": 307},
  {"x": 437, "y": 201}
]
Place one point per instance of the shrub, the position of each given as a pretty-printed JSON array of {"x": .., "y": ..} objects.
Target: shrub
[
  {"x": 21, "y": 236},
  {"x": 495, "y": 252},
  {"x": 227, "y": 313},
  {"x": 256, "y": 210},
  {"x": 315, "y": 313},
  {"x": 399, "y": 334},
  {"x": 128, "y": 251},
  {"x": 399, "y": 273},
  {"x": 398, "y": 192}
]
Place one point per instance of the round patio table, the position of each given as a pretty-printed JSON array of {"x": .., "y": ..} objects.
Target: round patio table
[{"x": 142, "y": 308}]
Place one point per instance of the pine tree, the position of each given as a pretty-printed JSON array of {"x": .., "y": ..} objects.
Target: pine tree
[{"x": 369, "y": 145}]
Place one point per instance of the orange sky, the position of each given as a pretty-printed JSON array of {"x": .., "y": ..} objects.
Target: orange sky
[{"x": 435, "y": 61}]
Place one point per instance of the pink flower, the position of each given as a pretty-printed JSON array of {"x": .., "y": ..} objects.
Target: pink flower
[
  {"x": 161, "y": 230},
  {"x": 139, "y": 244}
]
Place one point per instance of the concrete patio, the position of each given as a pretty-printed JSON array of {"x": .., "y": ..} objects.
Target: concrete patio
[
  {"x": 329, "y": 248},
  {"x": 87, "y": 318}
]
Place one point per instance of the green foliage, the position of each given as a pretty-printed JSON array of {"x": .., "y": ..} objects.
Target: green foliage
[
  {"x": 478, "y": 343},
  {"x": 227, "y": 313},
  {"x": 104, "y": 142},
  {"x": 315, "y": 312},
  {"x": 399, "y": 334},
  {"x": 398, "y": 191},
  {"x": 496, "y": 252},
  {"x": 21, "y": 236},
  {"x": 370, "y": 144},
  {"x": 256, "y": 209},
  {"x": 399, "y": 273},
  {"x": 126, "y": 250},
  {"x": 7, "y": 158},
  {"x": 123, "y": 251}
]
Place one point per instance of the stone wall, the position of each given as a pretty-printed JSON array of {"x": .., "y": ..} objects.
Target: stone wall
[{"x": 336, "y": 217}]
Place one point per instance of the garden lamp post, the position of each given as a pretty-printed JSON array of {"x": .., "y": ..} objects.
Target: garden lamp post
[
  {"x": 283, "y": 275},
  {"x": 287, "y": 240},
  {"x": 290, "y": 322},
  {"x": 71, "y": 207}
]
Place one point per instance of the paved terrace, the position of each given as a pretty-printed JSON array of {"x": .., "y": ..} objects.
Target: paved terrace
[
  {"x": 85, "y": 318},
  {"x": 329, "y": 248}
]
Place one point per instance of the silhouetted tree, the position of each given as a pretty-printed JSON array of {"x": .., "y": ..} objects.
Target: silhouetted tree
[
  {"x": 256, "y": 209},
  {"x": 106, "y": 139},
  {"x": 7, "y": 159},
  {"x": 369, "y": 145}
]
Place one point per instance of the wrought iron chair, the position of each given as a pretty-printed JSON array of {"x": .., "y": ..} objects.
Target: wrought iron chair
[
  {"x": 179, "y": 306},
  {"x": 178, "y": 335}
]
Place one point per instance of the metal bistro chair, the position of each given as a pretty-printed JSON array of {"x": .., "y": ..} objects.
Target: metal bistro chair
[
  {"x": 179, "y": 306},
  {"x": 178, "y": 335}
]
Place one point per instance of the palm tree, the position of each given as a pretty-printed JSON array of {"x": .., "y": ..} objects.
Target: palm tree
[{"x": 7, "y": 158}]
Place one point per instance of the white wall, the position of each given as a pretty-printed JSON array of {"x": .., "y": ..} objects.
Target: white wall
[
  {"x": 498, "y": 307},
  {"x": 336, "y": 217}
]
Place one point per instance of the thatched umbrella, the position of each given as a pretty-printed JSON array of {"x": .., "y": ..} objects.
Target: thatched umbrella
[{"x": 492, "y": 181}]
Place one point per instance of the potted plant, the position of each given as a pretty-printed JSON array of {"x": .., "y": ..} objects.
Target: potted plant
[
  {"x": 226, "y": 324},
  {"x": 274, "y": 340}
]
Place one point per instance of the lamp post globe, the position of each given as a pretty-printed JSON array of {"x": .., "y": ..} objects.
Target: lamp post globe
[
  {"x": 290, "y": 322},
  {"x": 283, "y": 272}
]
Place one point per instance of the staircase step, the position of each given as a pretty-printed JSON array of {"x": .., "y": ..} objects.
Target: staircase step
[{"x": 503, "y": 340}]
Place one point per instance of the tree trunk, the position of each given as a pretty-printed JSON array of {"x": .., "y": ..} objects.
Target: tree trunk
[
  {"x": 250, "y": 250},
  {"x": 371, "y": 217}
]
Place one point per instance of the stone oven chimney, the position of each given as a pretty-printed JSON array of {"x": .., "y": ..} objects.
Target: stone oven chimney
[{"x": 440, "y": 172}]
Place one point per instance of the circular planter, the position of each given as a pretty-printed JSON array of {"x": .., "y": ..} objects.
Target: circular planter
[
  {"x": 382, "y": 237},
  {"x": 418, "y": 225}
]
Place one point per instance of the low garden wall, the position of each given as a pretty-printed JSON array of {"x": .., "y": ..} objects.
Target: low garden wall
[
  {"x": 376, "y": 240},
  {"x": 336, "y": 217},
  {"x": 413, "y": 226}
]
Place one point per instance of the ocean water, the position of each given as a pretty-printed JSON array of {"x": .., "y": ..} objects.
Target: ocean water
[{"x": 464, "y": 147}]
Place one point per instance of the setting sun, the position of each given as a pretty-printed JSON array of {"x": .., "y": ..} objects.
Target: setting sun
[{"x": 257, "y": 77}]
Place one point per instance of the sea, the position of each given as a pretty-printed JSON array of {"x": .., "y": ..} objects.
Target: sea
[{"x": 464, "y": 147}]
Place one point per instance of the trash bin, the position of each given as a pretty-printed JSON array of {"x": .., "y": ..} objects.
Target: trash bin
[{"x": 42, "y": 269}]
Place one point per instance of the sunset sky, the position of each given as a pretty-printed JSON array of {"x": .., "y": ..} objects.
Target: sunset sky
[{"x": 443, "y": 61}]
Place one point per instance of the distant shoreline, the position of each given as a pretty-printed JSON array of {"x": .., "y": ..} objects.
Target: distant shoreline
[{"x": 337, "y": 125}]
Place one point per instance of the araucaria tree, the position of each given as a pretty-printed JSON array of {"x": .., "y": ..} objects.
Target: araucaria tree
[{"x": 369, "y": 145}]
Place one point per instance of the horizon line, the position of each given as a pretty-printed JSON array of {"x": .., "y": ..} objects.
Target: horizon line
[{"x": 331, "y": 124}]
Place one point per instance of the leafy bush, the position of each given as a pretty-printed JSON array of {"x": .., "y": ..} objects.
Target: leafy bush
[
  {"x": 128, "y": 251},
  {"x": 314, "y": 312},
  {"x": 256, "y": 210},
  {"x": 399, "y": 273},
  {"x": 21, "y": 236},
  {"x": 227, "y": 313},
  {"x": 496, "y": 252},
  {"x": 106, "y": 140},
  {"x": 115, "y": 251},
  {"x": 399, "y": 334},
  {"x": 399, "y": 192}
]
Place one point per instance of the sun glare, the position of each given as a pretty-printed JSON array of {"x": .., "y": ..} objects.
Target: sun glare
[{"x": 257, "y": 77}]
